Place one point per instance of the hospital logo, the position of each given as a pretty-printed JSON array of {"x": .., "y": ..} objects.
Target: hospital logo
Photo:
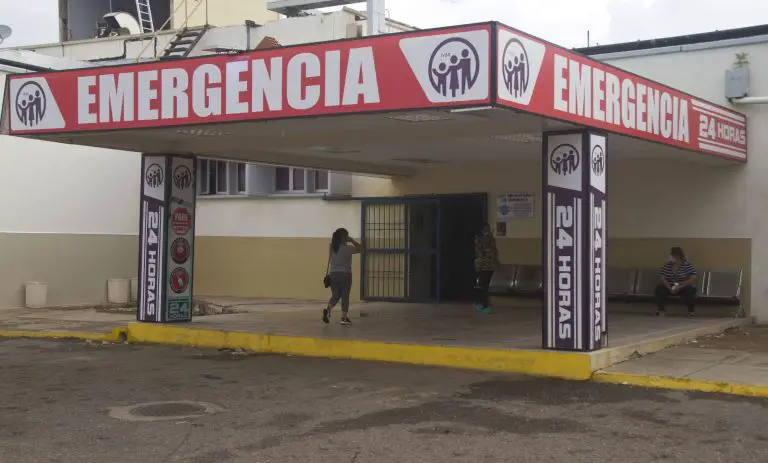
[
  {"x": 454, "y": 67},
  {"x": 154, "y": 176},
  {"x": 564, "y": 160},
  {"x": 516, "y": 69},
  {"x": 31, "y": 104},
  {"x": 182, "y": 177},
  {"x": 179, "y": 280},
  {"x": 598, "y": 160},
  {"x": 180, "y": 250}
]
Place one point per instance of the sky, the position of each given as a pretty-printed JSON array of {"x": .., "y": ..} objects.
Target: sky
[{"x": 564, "y": 22}]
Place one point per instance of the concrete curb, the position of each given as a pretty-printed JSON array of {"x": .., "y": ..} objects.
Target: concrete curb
[
  {"x": 681, "y": 384},
  {"x": 565, "y": 365},
  {"x": 116, "y": 335}
]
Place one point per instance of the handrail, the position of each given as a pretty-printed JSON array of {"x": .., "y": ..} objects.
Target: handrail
[{"x": 170, "y": 17}]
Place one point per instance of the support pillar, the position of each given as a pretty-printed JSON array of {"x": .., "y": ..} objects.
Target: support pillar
[
  {"x": 574, "y": 240},
  {"x": 166, "y": 238}
]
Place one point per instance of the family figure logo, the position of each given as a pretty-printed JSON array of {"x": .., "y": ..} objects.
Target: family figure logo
[
  {"x": 154, "y": 176},
  {"x": 598, "y": 160},
  {"x": 454, "y": 67},
  {"x": 182, "y": 177},
  {"x": 31, "y": 104},
  {"x": 517, "y": 68},
  {"x": 564, "y": 159}
]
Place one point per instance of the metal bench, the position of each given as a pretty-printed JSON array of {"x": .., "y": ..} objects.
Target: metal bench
[
  {"x": 645, "y": 284},
  {"x": 528, "y": 280},
  {"x": 723, "y": 286},
  {"x": 620, "y": 282},
  {"x": 503, "y": 280}
]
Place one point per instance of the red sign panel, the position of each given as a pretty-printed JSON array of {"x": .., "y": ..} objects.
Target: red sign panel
[
  {"x": 541, "y": 78},
  {"x": 181, "y": 220},
  {"x": 438, "y": 68},
  {"x": 445, "y": 68}
]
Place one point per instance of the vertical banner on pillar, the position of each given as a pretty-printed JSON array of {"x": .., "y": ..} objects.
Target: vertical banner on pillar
[
  {"x": 181, "y": 235},
  {"x": 563, "y": 231},
  {"x": 574, "y": 240},
  {"x": 152, "y": 238},
  {"x": 597, "y": 247}
]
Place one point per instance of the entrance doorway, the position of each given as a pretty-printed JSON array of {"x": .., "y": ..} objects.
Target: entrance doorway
[{"x": 420, "y": 249}]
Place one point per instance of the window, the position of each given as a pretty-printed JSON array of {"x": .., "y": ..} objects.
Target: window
[
  {"x": 321, "y": 180},
  {"x": 289, "y": 179},
  {"x": 221, "y": 177},
  {"x": 241, "y": 177},
  {"x": 204, "y": 177}
]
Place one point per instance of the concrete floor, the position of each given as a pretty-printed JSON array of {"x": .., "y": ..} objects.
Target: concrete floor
[
  {"x": 58, "y": 406},
  {"x": 737, "y": 356},
  {"x": 514, "y": 324}
]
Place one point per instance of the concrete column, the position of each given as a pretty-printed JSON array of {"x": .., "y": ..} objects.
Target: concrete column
[
  {"x": 574, "y": 240},
  {"x": 166, "y": 238}
]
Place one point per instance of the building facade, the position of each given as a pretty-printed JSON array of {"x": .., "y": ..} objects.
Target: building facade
[{"x": 263, "y": 230}]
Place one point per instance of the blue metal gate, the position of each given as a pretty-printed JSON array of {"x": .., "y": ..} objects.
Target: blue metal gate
[{"x": 401, "y": 239}]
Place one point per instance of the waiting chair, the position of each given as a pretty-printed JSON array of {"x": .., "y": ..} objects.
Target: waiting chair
[
  {"x": 503, "y": 279},
  {"x": 528, "y": 279},
  {"x": 724, "y": 285},
  {"x": 620, "y": 281},
  {"x": 647, "y": 281}
]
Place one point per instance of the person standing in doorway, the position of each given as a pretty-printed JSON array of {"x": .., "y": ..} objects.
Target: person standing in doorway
[
  {"x": 678, "y": 278},
  {"x": 341, "y": 250},
  {"x": 486, "y": 262}
]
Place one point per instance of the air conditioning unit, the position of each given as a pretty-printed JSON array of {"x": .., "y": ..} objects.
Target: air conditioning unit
[{"x": 119, "y": 23}]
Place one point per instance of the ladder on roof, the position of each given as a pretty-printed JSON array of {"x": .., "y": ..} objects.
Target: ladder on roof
[
  {"x": 144, "y": 13},
  {"x": 184, "y": 43}
]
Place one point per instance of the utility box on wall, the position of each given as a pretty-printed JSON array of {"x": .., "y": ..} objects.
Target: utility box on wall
[{"x": 737, "y": 82}]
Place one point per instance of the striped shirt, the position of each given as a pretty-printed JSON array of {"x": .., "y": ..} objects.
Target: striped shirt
[{"x": 683, "y": 273}]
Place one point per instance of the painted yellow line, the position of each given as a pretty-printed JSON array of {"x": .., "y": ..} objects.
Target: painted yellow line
[
  {"x": 682, "y": 384},
  {"x": 112, "y": 336},
  {"x": 529, "y": 362}
]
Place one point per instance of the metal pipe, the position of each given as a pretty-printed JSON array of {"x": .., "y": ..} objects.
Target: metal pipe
[
  {"x": 25, "y": 66},
  {"x": 751, "y": 100}
]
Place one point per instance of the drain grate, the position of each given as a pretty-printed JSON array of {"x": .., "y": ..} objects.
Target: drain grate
[
  {"x": 168, "y": 409},
  {"x": 161, "y": 411}
]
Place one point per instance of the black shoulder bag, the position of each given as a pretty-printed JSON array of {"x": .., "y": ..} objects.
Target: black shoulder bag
[{"x": 327, "y": 279}]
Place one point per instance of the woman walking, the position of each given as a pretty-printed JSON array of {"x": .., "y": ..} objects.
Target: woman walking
[
  {"x": 486, "y": 262},
  {"x": 342, "y": 248}
]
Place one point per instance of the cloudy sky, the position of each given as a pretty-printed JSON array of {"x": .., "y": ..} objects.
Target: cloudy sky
[{"x": 565, "y": 22}]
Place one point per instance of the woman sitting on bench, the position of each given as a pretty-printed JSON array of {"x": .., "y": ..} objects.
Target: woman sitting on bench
[{"x": 678, "y": 278}]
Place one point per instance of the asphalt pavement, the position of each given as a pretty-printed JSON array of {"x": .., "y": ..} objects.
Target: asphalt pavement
[{"x": 90, "y": 402}]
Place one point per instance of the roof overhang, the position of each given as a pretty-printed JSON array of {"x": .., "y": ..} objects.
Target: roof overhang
[{"x": 381, "y": 104}]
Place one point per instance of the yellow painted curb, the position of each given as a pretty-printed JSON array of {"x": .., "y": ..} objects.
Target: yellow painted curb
[
  {"x": 565, "y": 365},
  {"x": 682, "y": 384},
  {"x": 113, "y": 336}
]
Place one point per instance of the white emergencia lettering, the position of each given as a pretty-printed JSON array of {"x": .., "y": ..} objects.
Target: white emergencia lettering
[
  {"x": 301, "y": 83},
  {"x": 267, "y": 84},
  {"x": 174, "y": 102},
  {"x": 301, "y": 67},
  {"x": 116, "y": 93},
  {"x": 598, "y": 94},
  {"x": 147, "y": 94},
  {"x": 206, "y": 90},
  {"x": 86, "y": 98},
  {"x": 361, "y": 80}
]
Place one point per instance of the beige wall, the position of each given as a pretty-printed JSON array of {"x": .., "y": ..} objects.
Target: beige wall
[
  {"x": 221, "y": 12},
  {"x": 75, "y": 267},
  {"x": 277, "y": 268}
]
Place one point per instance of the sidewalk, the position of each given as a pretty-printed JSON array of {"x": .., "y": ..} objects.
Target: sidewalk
[{"x": 734, "y": 362}]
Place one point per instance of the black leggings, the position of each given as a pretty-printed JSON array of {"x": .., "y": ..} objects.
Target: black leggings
[
  {"x": 341, "y": 286},
  {"x": 483, "y": 283},
  {"x": 687, "y": 295}
]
